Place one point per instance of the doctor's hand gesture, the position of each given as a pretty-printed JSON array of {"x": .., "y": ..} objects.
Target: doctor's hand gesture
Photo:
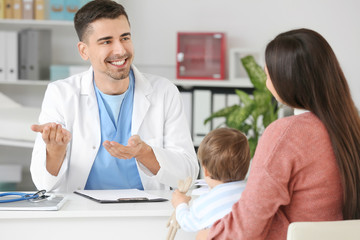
[
  {"x": 56, "y": 139},
  {"x": 136, "y": 148}
]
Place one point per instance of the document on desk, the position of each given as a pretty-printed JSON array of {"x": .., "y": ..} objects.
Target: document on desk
[{"x": 120, "y": 196}]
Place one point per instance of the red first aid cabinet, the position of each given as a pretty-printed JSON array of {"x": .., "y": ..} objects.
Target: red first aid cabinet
[{"x": 201, "y": 55}]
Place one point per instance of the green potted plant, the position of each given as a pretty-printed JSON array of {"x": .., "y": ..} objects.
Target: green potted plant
[{"x": 255, "y": 111}]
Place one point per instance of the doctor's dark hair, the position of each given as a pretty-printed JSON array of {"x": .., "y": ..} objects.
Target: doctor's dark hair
[
  {"x": 225, "y": 153},
  {"x": 93, "y": 11},
  {"x": 306, "y": 74}
]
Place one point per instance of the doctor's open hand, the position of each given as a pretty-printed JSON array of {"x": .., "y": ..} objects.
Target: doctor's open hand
[
  {"x": 56, "y": 139},
  {"x": 136, "y": 148}
]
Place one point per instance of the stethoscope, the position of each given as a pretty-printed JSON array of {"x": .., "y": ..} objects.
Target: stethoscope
[{"x": 36, "y": 197}]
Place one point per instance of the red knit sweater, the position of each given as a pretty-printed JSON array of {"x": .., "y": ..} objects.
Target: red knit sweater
[{"x": 294, "y": 177}]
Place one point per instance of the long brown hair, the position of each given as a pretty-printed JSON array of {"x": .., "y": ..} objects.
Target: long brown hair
[{"x": 306, "y": 74}]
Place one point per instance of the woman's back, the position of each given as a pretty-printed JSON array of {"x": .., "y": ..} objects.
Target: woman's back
[
  {"x": 294, "y": 177},
  {"x": 302, "y": 161}
]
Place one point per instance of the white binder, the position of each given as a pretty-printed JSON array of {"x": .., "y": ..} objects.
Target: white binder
[
  {"x": 2, "y": 56},
  {"x": 11, "y": 54},
  {"x": 202, "y": 110},
  {"x": 219, "y": 102},
  {"x": 35, "y": 54},
  {"x": 187, "y": 100},
  {"x": 23, "y": 42}
]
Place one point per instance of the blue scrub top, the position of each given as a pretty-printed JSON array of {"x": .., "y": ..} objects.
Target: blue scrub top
[{"x": 109, "y": 172}]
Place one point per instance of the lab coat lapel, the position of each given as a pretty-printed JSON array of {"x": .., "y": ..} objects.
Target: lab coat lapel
[
  {"x": 141, "y": 103},
  {"x": 88, "y": 96},
  {"x": 91, "y": 123}
]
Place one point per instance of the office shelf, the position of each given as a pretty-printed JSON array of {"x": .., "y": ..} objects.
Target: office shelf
[
  {"x": 26, "y": 82},
  {"x": 13, "y": 23}
]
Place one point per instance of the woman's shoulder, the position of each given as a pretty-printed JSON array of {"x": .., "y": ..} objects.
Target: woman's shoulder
[
  {"x": 295, "y": 123},
  {"x": 294, "y": 132}
]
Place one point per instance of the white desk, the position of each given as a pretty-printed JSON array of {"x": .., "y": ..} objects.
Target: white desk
[{"x": 81, "y": 218}]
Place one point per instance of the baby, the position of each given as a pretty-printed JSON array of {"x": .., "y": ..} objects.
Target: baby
[{"x": 225, "y": 157}]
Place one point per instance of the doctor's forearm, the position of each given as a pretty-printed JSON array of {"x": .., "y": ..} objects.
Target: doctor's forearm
[
  {"x": 54, "y": 160},
  {"x": 147, "y": 157}
]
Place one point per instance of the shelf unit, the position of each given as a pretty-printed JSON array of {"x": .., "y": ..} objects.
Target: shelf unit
[{"x": 35, "y": 23}]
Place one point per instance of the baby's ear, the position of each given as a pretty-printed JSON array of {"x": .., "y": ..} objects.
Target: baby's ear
[{"x": 206, "y": 172}]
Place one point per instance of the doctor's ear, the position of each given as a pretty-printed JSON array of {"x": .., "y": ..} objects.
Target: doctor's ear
[{"x": 83, "y": 50}]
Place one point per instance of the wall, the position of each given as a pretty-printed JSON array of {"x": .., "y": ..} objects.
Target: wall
[{"x": 248, "y": 24}]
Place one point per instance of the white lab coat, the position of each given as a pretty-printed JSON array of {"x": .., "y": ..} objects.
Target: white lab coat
[{"x": 158, "y": 118}]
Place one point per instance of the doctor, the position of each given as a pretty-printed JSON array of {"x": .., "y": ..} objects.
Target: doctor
[{"x": 111, "y": 127}]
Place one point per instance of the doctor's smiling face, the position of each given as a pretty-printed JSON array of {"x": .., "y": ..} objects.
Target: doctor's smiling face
[{"x": 107, "y": 44}]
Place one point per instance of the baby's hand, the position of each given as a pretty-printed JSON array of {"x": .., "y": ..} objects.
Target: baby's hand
[{"x": 178, "y": 198}]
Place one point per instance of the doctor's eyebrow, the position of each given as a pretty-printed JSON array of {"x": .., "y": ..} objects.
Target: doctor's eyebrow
[
  {"x": 110, "y": 37},
  {"x": 125, "y": 34},
  {"x": 104, "y": 38}
]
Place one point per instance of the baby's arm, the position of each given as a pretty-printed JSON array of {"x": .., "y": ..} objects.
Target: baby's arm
[
  {"x": 179, "y": 197},
  {"x": 185, "y": 216}
]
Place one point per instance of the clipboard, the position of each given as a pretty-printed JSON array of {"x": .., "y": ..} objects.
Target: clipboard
[
  {"x": 52, "y": 203},
  {"x": 119, "y": 196}
]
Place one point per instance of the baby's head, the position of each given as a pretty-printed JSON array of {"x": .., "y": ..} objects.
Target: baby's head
[{"x": 225, "y": 154}]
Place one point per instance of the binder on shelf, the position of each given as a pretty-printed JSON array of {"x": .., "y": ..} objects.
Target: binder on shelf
[
  {"x": 2, "y": 9},
  {"x": 64, "y": 71},
  {"x": 23, "y": 38},
  {"x": 27, "y": 9},
  {"x": 17, "y": 9},
  {"x": 11, "y": 55},
  {"x": 35, "y": 54},
  {"x": 83, "y": 2},
  {"x": 2, "y": 56},
  {"x": 56, "y": 10},
  {"x": 70, "y": 8},
  {"x": 39, "y": 9},
  {"x": 59, "y": 72},
  {"x": 219, "y": 102},
  {"x": 9, "y": 9},
  {"x": 202, "y": 110},
  {"x": 187, "y": 101}
]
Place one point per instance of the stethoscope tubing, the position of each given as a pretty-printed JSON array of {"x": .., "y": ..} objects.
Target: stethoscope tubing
[{"x": 23, "y": 196}]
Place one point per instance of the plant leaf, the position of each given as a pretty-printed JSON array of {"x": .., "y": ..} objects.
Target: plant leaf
[
  {"x": 255, "y": 72},
  {"x": 245, "y": 99},
  {"x": 222, "y": 113},
  {"x": 238, "y": 116},
  {"x": 252, "y": 145}
]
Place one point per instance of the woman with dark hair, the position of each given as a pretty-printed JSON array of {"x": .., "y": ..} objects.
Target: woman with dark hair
[{"x": 306, "y": 167}]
